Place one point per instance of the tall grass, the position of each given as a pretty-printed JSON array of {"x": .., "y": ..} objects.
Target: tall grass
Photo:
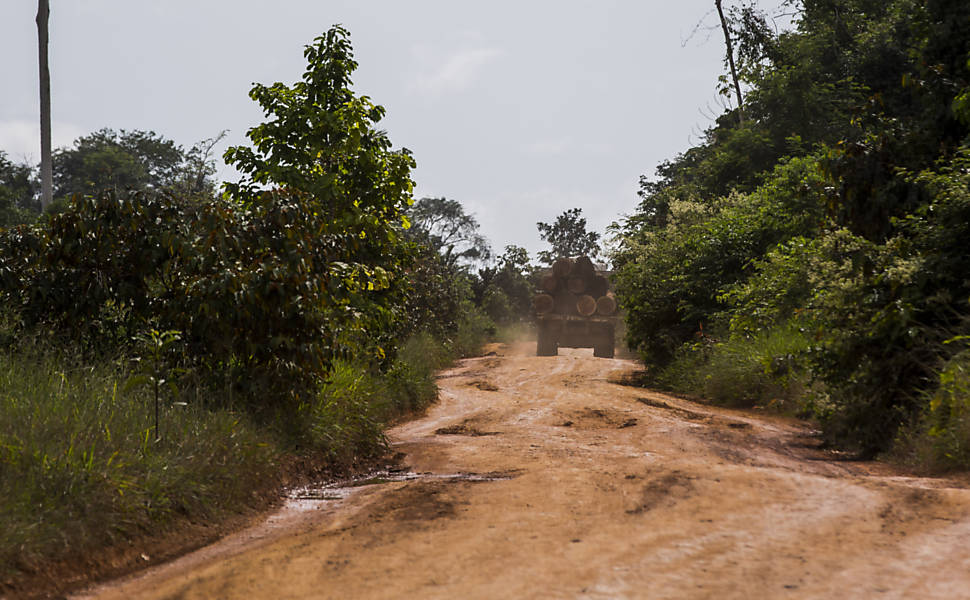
[
  {"x": 347, "y": 418},
  {"x": 744, "y": 371},
  {"x": 940, "y": 441},
  {"x": 80, "y": 466}
]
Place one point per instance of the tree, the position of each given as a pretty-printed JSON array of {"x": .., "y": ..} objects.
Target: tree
[
  {"x": 46, "y": 178},
  {"x": 320, "y": 154},
  {"x": 126, "y": 160},
  {"x": 18, "y": 189},
  {"x": 568, "y": 237},
  {"x": 505, "y": 290},
  {"x": 195, "y": 177},
  {"x": 807, "y": 222},
  {"x": 299, "y": 264},
  {"x": 444, "y": 226}
]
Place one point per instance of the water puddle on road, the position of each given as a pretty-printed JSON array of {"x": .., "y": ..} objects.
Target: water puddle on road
[{"x": 309, "y": 497}]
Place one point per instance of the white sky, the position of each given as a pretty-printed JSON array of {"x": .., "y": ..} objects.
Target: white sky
[{"x": 519, "y": 110}]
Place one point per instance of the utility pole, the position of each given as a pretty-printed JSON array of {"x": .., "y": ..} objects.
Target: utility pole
[
  {"x": 46, "y": 171},
  {"x": 730, "y": 57}
]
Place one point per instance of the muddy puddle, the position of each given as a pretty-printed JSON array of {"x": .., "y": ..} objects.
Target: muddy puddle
[{"x": 310, "y": 497}]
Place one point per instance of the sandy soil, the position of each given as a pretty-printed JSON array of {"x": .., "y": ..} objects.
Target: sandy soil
[{"x": 545, "y": 478}]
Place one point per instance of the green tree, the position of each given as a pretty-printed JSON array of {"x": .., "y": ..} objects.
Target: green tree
[
  {"x": 807, "y": 220},
  {"x": 568, "y": 237},
  {"x": 444, "y": 225},
  {"x": 320, "y": 146},
  {"x": 297, "y": 265},
  {"x": 126, "y": 160},
  {"x": 505, "y": 290},
  {"x": 18, "y": 191}
]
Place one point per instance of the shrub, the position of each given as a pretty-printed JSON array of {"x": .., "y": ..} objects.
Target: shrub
[
  {"x": 766, "y": 369},
  {"x": 941, "y": 439},
  {"x": 267, "y": 287},
  {"x": 670, "y": 278}
]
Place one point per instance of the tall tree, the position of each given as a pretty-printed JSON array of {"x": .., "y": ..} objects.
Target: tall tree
[
  {"x": 568, "y": 237},
  {"x": 444, "y": 225},
  {"x": 46, "y": 172},
  {"x": 108, "y": 160}
]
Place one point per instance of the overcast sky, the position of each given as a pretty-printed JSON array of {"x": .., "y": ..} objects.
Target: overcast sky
[{"x": 519, "y": 110}]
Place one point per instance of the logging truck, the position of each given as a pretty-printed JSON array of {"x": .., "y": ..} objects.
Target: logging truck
[{"x": 575, "y": 308}]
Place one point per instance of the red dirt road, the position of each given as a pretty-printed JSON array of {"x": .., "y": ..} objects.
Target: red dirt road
[{"x": 542, "y": 477}]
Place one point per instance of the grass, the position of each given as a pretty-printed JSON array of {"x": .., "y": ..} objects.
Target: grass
[
  {"x": 940, "y": 440},
  {"x": 760, "y": 370},
  {"x": 81, "y": 469},
  {"x": 347, "y": 419}
]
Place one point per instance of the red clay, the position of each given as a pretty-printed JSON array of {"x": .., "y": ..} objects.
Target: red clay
[{"x": 541, "y": 477}]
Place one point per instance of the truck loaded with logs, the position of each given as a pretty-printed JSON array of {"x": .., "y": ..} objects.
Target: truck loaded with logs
[{"x": 575, "y": 309}]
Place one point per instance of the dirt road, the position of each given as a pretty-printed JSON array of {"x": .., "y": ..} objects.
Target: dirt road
[{"x": 544, "y": 478}]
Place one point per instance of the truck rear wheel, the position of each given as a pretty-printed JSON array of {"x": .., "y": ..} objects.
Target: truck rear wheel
[
  {"x": 604, "y": 344},
  {"x": 546, "y": 344}
]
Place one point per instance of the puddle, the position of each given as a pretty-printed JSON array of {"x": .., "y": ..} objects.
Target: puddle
[{"x": 310, "y": 497}]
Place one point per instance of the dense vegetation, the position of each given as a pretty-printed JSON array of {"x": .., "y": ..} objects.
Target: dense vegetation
[
  {"x": 810, "y": 251},
  {"x": 165, "y": 348}
]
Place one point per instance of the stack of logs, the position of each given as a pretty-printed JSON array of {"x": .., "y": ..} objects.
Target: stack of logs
[{"x": 575, "y": 288}]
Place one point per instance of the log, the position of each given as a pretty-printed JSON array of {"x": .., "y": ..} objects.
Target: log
[
  {"x": 550, "y": 283},
  {"x": 565, "y": 303},
  {"x": 597, "y": 286},
  {"x": 543, "y": 303},
  {"x": 606, "y": 305},
  {"x": 576, "y": 285},
  {"x": 586, "y": 305},
  {"x": 583, "y": 267},
  {"x": 562, "y": 266}
]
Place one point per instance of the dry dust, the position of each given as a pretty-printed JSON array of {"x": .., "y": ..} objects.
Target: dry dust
[{"x": 541, "y": 477}]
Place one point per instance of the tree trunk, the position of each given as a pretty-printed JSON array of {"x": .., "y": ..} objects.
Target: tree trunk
[
  {"x": 46, "y": 172},
  {"x": 730, "y": 57}
]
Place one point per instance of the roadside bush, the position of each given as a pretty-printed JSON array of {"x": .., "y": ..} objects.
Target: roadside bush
[
  {"x": 474, "y": 330},
  {"x": 267, "y": 287},
  {"x": 346, "y": 419},
  {"x": 942, "y": 439},
  {"x": 766, "y": 369},
  {"x": 670, "y": 278}
]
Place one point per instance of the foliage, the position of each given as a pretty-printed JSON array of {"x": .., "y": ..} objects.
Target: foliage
[
  {"x": 345, "y": 421},
  {"x": 505, "y": 290},
  {"x": 767, "y": 369},
  {"x": 837, "y": 209},
  {"x": 668, "y": 279},
  {"x": 18, "y": 187},
  {"x": 79, "y": 467},
  {"x": 280, "y": 308},
  {"x": 942, "y": 439},
  {"x": 267, "y": 287},
  {"x": 321, "y": 150},
  {"x": 437, "y": 293},
  {"x": 117, "y": 161},
  {"x": 568, "y": 237},
  {"x": 443, "y": 225}
]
